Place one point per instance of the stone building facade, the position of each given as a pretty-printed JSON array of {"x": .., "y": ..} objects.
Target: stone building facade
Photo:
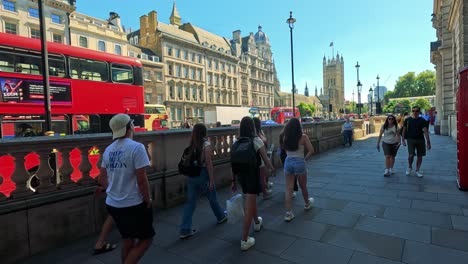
[
  {"x": 257, "y": 70},
  {"x": 153, "y": 72},
  {"x": 203, "y": 69},
  {"x": 333, "y": 83},
  {"x": 64, "y": 25},
  {"x": 21, "y": 17},
  {"x": 449, "y": 54},
  {"x": 98, "y": 34}
]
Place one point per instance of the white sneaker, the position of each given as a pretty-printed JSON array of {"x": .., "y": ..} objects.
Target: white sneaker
[
  {"x": 391, "y": 171},
  {"x": 409, "y": 171},
  {"x": 293, "y": 194},
  {"x": 289, "y": 216},
  {"x": 386, "y": 173},
  {"x": 309, "y": 204},
  {"x": 245, "y": 245},
  {"x": 419, "y": 174},
  {"x": 270, "y": 184},
  {"x": 258, "y": 227}
]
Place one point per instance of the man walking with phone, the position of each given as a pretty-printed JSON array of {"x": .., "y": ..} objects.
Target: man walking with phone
[{"x": 416, "y": 134}]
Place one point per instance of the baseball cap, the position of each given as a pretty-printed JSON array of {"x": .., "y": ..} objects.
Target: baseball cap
[{"x": 118, "y": 125}]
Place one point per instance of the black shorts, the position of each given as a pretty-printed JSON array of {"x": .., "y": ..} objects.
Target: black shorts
[
  {"x": 134, "y": 222},
  {"x": 416, "y": 144},
  {"x": 390, "y": 149},
  {"x": 250, "y": 181}
]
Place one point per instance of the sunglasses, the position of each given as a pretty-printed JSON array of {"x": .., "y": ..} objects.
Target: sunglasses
[
  {"x": 415, "y": 111},
  {"x": 391, "y": 119}
]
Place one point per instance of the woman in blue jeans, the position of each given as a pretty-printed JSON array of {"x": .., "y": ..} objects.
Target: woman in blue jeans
[{"x": 204, "y": 183}]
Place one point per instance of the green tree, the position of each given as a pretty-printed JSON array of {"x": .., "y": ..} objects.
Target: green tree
[
  {"x": 405, "y": 86},
  {"x": 387, "y": 96},
  {"x": 425, "y": 82},
  {"x": 410, "y": 85},
  {"x": 303, "y": 109},
  {"x": 397, "y": 106},
  {"x": 306, "y": 109},
  {"x": 423, "y": 103},
  {"x": 312, "y": 109},
  {"x": 350, "y": 107}
]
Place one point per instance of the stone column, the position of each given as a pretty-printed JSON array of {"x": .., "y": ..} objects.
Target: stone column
[{"x": 20, "y": 176}]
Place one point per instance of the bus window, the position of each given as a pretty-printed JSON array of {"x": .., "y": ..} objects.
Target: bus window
[
  {"x": 122, "y": 73},
  {"x": 57, "y": 67},
  {"x": 88, "y": 70},
  {"x": 7, "y": 62},
  {"x": 60, "y": 127},
  {"x": 81, "y": 124}
]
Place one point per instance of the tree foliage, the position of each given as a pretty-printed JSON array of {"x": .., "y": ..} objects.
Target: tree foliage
[
  {"x": 397, "y": 106},
  {"x": 423, "y": 103},
  {"x": 306, "y": 109},
  {"x": 410, "y": 85},
  {"x": 352, "y": 108}
]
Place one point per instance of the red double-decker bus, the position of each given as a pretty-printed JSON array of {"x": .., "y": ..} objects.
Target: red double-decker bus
[
  {"x": 281, "y": 115},
  {"x": 87, "y": 88}
]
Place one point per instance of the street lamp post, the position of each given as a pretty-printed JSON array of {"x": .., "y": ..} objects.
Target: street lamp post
[
  {"x": 352, "y": 103},
  {"x": 291, "y": 22},
  {"x": 378, "y": 110},
  {"x": 359, "y": 87},
  {"x": 371, "y": 95},
  {"x": 45, "y": 67}
]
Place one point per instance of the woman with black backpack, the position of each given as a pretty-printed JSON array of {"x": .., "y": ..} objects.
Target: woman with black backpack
[
  {"x": 200, "y": 182},
  {"x": 248, "y": 175}
]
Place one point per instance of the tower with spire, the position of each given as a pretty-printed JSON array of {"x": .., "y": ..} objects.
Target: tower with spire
[
  {"x": 175, "y": 19},
  {"x": 333, "y": 82},
  {"x": 306, "y": 90}
]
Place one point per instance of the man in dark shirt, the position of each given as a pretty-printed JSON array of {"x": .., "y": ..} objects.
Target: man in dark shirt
[{"x": 414, "y": 131}]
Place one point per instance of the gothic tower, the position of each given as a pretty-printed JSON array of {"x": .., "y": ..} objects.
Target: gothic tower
[
  {"x": 175, "y": 17},
  {"x": 306, "y": 90},
  {"x": 333, "y": 82}
]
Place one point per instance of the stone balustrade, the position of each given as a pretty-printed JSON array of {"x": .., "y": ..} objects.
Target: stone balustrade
[{"x": 47, "y": 183}]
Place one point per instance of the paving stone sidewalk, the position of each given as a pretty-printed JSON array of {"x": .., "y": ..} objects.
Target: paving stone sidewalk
[{"x": 359, "y": 217}]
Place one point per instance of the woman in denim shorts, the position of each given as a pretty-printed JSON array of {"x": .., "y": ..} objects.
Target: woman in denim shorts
[{"x": 295, "y": 166}]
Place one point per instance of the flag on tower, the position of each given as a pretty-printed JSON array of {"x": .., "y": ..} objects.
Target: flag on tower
[{"x": 331, "y": 44}]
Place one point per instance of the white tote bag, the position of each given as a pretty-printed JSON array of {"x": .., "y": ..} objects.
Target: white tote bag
[{"x": 235, "y": 209}]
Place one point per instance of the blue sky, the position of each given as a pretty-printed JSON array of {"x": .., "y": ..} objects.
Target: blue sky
[{"x": 387, "y": 37}]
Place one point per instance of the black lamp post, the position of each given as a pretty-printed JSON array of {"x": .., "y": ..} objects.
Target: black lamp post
[
  {"x": 45, "y": 67},
  {"x": 359, "y": 87},
  {"x": 371, "y": 95},
  {"x": 378, "y": 110},
  {"x": 291, "y": 20}
]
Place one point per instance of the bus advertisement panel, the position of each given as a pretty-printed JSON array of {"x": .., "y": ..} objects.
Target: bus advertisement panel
[{"x": 22, "y": 90}]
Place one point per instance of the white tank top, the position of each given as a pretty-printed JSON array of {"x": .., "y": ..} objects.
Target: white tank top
[
  {"x": 390, "y": 135},
  {"x": 298, "y": 153}
]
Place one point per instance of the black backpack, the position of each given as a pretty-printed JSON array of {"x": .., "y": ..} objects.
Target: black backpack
[
  {"x": 189, "y": 164},
  {"x": 244, "y": 158}
]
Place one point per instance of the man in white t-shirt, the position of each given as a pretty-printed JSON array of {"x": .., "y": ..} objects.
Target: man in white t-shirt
[{"x": 123, "y": 174}]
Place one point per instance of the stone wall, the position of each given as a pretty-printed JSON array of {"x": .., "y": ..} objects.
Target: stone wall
[{"x": 67, "y": 209}]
